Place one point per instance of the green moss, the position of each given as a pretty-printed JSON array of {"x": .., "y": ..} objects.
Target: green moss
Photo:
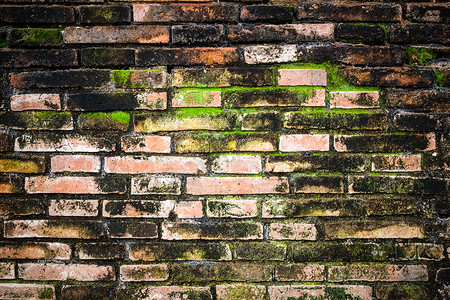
[
  {"x": 3, "y": 43},
  {"x": 420, "y": 56},
  {"x": 440, "y": 78},
  {"x": 46, "y": 294},
  {"x": 118, "y": 116},
  {"x": 183, "y": 113},
  {"x": 39, "y": 35},
  {"x": 121, "y": 77}
]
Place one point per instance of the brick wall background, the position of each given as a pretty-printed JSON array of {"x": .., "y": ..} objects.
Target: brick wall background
[{"x": 224, "y": 150}]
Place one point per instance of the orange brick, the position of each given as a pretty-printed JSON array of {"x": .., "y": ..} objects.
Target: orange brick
[
  {"x": 75, "y": 163},
  {"x": 146, "y": 143},
  {"x": 73, "y": 185},
  {"x": 354, "y": 99},
  {"x": 155, "y": 164}
]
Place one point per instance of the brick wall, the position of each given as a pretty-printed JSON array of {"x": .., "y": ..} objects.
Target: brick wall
[{"x": 224, "y": 150}]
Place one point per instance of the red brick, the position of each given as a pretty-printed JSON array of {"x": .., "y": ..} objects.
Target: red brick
[
  {"x": 160, "y": 185},
  {"x": 293, "y": 77},
  {"x": 378, "y": 273},
  {"x": 232, "y": 208},
  {"x": 304, "y": 142},
  {"x": 147, "y": 34},
  {"x": 35, "y": 102},
  {"x": 292, "y": 231},
  {"x": 35, "y": 251},
  {"x": 155, "y": 164},
  {"x": 236, "y": 185},
  {"x": 51, "y": 271},
  {"x": 152, "y": 209},
  {"x": 287, "y": 292},
  {"x": 263, "y": 54},
  {"x": 354, "y": 99},
  {"x": 75, "y": 163},
  {"x": 236, "y": 164},
  {"x": 146, "y": 143},
  {"x": 144, "y": 272},
  {"x": 233, "y": 291},
  {"x": 135, "y": 230},
  {"x": 75, "y": 208},
  {"x": 163, "y": 292},
  {"x": 73, "y": 185},
  {"x": 7, "y": 270},
  {"x": 396, "y": 163},
  {"x": 197, "y": 99},
  {"x": 62, "y": 143},
  {"x": 300, "y": 273},
  {"x": 26, "y": 291}
]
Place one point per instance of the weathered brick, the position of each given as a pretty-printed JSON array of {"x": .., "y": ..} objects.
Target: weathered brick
[
  {"x": 180, "y": 251},
  {"x": 35, "y": 102},
  {"x": 360, "y": 33},
  {"x": 155, "y": 164},
  {"x": 7, "y": 270},
  {"x": 197, "y": 33},
  {"x": 318, "y": 12},
  {"x": 102, "y": 14},
  {"x": 108, "y": 121},
  {"x": 38, "y": 58},
  {"x": 52, "y": 271},
  {"x": 420, "y": 251},
  {"x": 385, "y": 143},
  {"x": 75, "y": 185},
  {"x": 103, "y": 251},
  {"x": 292, "y": 231},
  {"x": 263, "y": 54},
  {"x": 270, "y": 14},
  {"x": 146, "y": 143},
  {"x": 19, "y": 164},
  {"x": 142, "y": 34},
  {"x": 26, "y": 291},
  {"x": 420, "y": 34},
  {"x": 260, "y": 121},
  {"x": 235, "y": 291},
  {"x": 422, "y": 122},
  {"x": 300, "y": 273},
  {"x": 402, "y": 291},
  {"x": 231, "y": 208},
  {"x": 417, "y": 99},
  {"x": 389, "y": 77},
  {"x": 195, "y": 98},
  {"x": 144, "y": 273},
  {"x": 396, "y": 163},
  {"x": 237, "y": 164},
  {"x": 152, "y": 209},
  {"x": 10, "y": 185},
  {"x": 304, "y": 142},
  {"x": 37, "y": 120},
  {"x": 80, "y": 292},
  {"x": 293, "y": 77},
  {"x": 259, "y": 251},
  {"x": 34, "y": 251},
  {"x": 53, "y": 229},
  {"x": 140, "y": 79},
  {"x": 319, "y": 184},
  {"x": 212, "y": 230},
  {"x": 104, "y": 57},
  {"x": 36, "y": 15},
  {"x": 369, "y": 99},
  {"x": 68, "y": 208},
  {"x": 236, "y": 185},
  {"x": 159, "y": 185},
  {"x": 187, "y": 56},
  {"x": 378, "y": 273},
  {"x": 115, "y": 102},
  {"x": 276, "y": 97},
  {"x": 442, "y": 275},
  {"x": 75, "y": 163},
  {"x": 428, "y": 13},
  {"x": 163, "y": 292},
  {"x": 135, "y": 230},
  {"x": 15, "y": 207},
  {"x": 35, "y": 37},
  {"x": 397, "y": 185},
  {"x": 287, "y": 292}
]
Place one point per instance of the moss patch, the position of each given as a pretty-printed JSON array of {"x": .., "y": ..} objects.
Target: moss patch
[
  {"x": 420, "y": 56},
  {"x": 38, "y": 36},
  {"x": 118, "y": 116}
]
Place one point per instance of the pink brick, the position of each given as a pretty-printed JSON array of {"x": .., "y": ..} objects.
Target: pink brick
[
  {"x": 62, "y": 143},
  {"x": 232, "y": 208},
  {"x": 159, "y": 185},
  {"x": 69, "y": 185},
  {"x": 236, "y": 185},
  {"x": 287, "y": 292},
  {"x": 146, "y": 143},
  {"x": 144, "y": 272},
  {"x": 197, "y": 99},
  {"x": 354, "y": 99},
  {"x": 75, "y": 163},
  {"x": 301, "y": 272},
  {"x": 35, "y": 102},
  {"x": 237, "y": 164},
  {"x": 155, "y": 164},
  {"x": 378, "y": 273},
  {"x": 26, "y": 291},
  {"x": 292, "y": 231},
  {"x": 51, "y": 271},
  {"x": 304, "y": 142},
  {"x": 73, "y": 208},
  {"x": 310, "y": 77},
  {"x": 396, "y": 163},
  {"x": 232, "y": 291},
  {"x": 155, "y": 209},
  {"x": 152, "y": 101},
  {"x": 35, "y": 251},
  {"x": 7, "y": 270}
]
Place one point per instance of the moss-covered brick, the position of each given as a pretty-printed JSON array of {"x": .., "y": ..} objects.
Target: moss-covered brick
[
  {"x": 37, "y": 120},
  {"x": 420, "y": 56},
  {"x": 34, "y": 37},
  {"x": 13, "y": 207},
  {"x": 138, "y": 230},
  {"x": 240, "y": 291},
  {"x": 104, "y": 57},
  {"x": 391, "y": 205},
  {"x": 319, "y": 184},
  {"x": 402, "y": 291},
  {"x": 80, "y": 292},
  {"x": 140, "y": 79},
  {"x": 197, "y": 98},
  {"x": 397, "y": 185},
  {"x": 104, "y": 121},
  {"x": 101, "y": 251},
  {"x": 259, "y": 251},
  {"x": 361, "y": 33},
  {"x": 416, "y": 34},
  {"x": 22, "y": 164},
  {"x": 261, "y": 121},
  {"x": 443, "y": 77},
  {"x": 104, "y": 14},
  {"x": 130, "y": 292}
]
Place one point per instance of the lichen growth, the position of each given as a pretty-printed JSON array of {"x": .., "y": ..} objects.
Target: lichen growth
[
  {"x": 38, "y": 36},
  {"x": 117, "y": 116}
]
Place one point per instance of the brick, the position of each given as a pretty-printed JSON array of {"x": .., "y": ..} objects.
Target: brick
[
  {"x": 384, "y": 143},
  {"x": 300, "y": 273},
  {"x": 422, "y": 122},
  {"x": 197, "y": 33},
  {"x": 293, "y": 77},
  {"x": 180, "y": 251},
  {"x": 36, "y": 15},
  {"x": 139, "y": 79},
  {"x": 10, "y": 185},
  {"x": 270, "y": 14},
  {"x": 236, "y": 185},
  {"x": 144, "y": 273},
  {"x": 34, "y": 251},
  {"x": 260, "y": 121},
  {"x": 177, "y": 12},
  {"x": 273, "y": 98},
  {"x": 34, "y": 37},
  {"x": 68, "y": 208},
  {"x": 155, "y": 164},
  {"x": 118, "y": 120},
  {"x": 360, "y": 33},
  {"x": 389, "y": 77},
  {"x": 116, "y": 102},
  {"x": 232, "y": 208},
  {"x": 79, "y": 292},
  {"x": 52, "y": 271},
  {"x": 146, "y": 143},
  {"x": 102, "y": 14},
  {"x": 292, "y": 231},
  {"x": 372, "y": 229},
  {"x": 35, "y": 102},
  {"x": 286, "y": 292},
  {"x": 38, "y": 58},
  {"x": 417, "y": 99},
  {"x": 14, "y": 207},
  {"x": 263, "y": 54},
  {"x": 378, "y": 273},
  {"x": 7, "y": 270},
  {"x": 187, "y": 56},
  {"x": 221, "y": 77},
  {"x": 319, "y": 184},
  {"x": 160, "y": 185},
  {"x": 26, "y": 291},
  {"x": 442, "y": 275},
  {"x": 396, "y": 163},
  {"x": 102, "y": 251},
  {"x": 135, "y": 230},
  {"x": 419, "y": 251},
  {"x": 211, "y": 230},
  {"x": 420, "y": 34},
  {"x": 233, "y": 291},
  {"x": 61, "y": 79},
  {"x": 305, "y": 163},
  {"x": 259, "y": 251},
  {"x": 164, "y": 292},
  {"x": 74, "y": 185},
  {"x": 142, "y": 34},
  {"x": 427, "y": 13},
  {"x": 318, "y": 12},
  {"x": 304, "y": 142},
  {"x": 152, "y": 209},
  {"x": 195, "y": 98},
  {"x": 37, "y": 120},
  {"x": 22, "y": 165},
  {"x": 236, "y": 164},
  {"x": 396, "y": 185},
  {"x": 53, "y": 229},
  {"x": 75, "y": 163},
  {"x": 402, "y": 291},
  {"x": 104, "y": 57},
  {"x": 369, "y": 99},
  {"x": 207, "y": 271}
]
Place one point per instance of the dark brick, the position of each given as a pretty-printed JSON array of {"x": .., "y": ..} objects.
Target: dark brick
[
  {"x": 263, "y": 98},
  {"x": 196, "y": 33},
  {"x": 14, "y": 207},
  {"x": 137, "y": 230},
  {"x": 11, "y": 185},
  {"x": 443, "y": 77},
  {"x": 384, "y": 143},
  {"x": 105, "y": 14},
  {"x": 397, "y": 185},
  {"x": 389, "y": 77},
  {"x": 51, "y": 79},
  {"x": 436, "y": 99},
  {"x": 428, "y": 13},
  {"x": 86, "y": 292},
  {"x": 6, "y": 143},
  {"x": 102, "y": 102},
  {"x": 389, "y": 205},
  {"x": 41, "y": 120},
  {"x": 259, "y": 251},
  {"x": 420, "y": 34},
  {"x": 36, "y": 15},
  {"x": 319, "y": 12},
  {"x": 90, "y": 251},
  {"x": 420, "y": 122},
  {"x": 272, "y": 14},
  {"x": 101, "y": 57},
  {"x": 261, "y": 121},
  {"x": 35, "y": 37},
  {"x": 360, "y": 33},
  {"x": 38, "y": 58},
  {"x": 403, "y": 292},
  {"x": 319, "y": 184}
]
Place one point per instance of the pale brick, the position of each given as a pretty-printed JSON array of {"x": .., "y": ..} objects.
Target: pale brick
[
  {"x": 51, "y": 271},
  {"x": 74, "y": 185},
  {"x": 287, "y": 292},
  {"x": 75, "y": 163},
  {"x": 309, "y": 77},
  {"x": 155, "y": 164},
  {"x": 378, "y": 273},
  {"x": 146, "y": 143},
  {"x": 263, "y": 54},
  {"x": 35, "y": 102},
  {"x": 35, "y": 251},
  {"x": 7, "y": 270},
  {"x": 26, "y": 291},
  {"x": 304, "y": 142},
  {"x": 62, "y": 143},
  {"x": 155, "y": 185},
  {"x": 73, "y": 208},
  {"x": 236, "y": 185},
  {"x": 237, "y": 291},
  {"x": 236, "y": 164},
  {"x": 292, "y": 231}
]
